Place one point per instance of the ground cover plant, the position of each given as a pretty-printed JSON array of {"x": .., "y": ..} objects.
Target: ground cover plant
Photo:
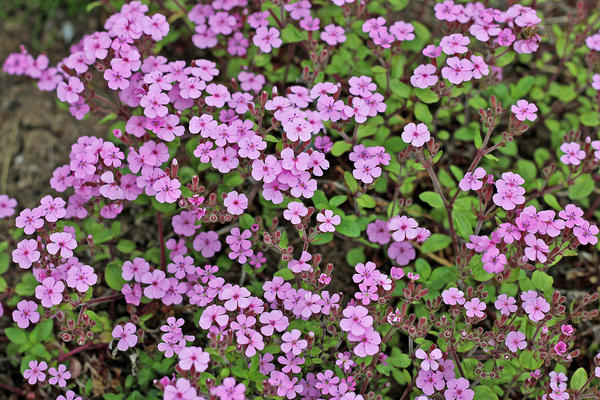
[{"x": 314, "y": 200}]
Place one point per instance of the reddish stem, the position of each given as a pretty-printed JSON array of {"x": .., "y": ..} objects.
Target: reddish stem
[
  {"x": 161, "y": 236},
  {"x": 89, "y": 346}
]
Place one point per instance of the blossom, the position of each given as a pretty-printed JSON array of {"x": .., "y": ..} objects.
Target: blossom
[
  {"x": 424, "y": 76},
  {"x": 207, "y": 243},
  {"x": 59, "y": 376},
  {"x": 69, "y": 91},
  {"x": 429, "y": 381},
  {"x": 25, "y": 313},
  {"x": 368, "y": 343},
  {"x": 50, "y": 292},
  {"x": 524, "y": 110},
  {"x": 295, "y": 210},
  {"x": 328, "y": 221},
  {"x": 26, "y": 253},
  {"x": 515, "y": 341},
  {"x": 506, "y": 305},
  {"x": 333, "y": 35},
  {"x": 586, "y": 233},
  {"x": 536, "y": 249},
  {"x": 493, "y": 261},
  {"x": 35, "y": 372},
  {"x": 229, "y": 390},
  {"x": 7, "y": 206},
  {"x": 453, "y": 296},
  {"x": 81, "y": 277},
  {"x": 126, "y": 335},
  {"x": 417, "y": 135},
  {"x": 536, "y": 308},
  {"x": 193, "y": 357},
  {"x": 235, "y": 202},
  {"x": 458, "y": 70},
  {"x": 403, "y": 228},
  {"x": 267, "y": 38},
  {"x": 454, "y": 44},
  {"x": 30, "y": 220},
  {"x": 573, "y": 153},
  {"x": 430, "y": 361},
  {"x": 292, "y": 342},
  {"x": 458, "y": 389},
  {"x": 181, "y": 390},
  {"x": 471, "y": 180},
  {"x": 475, "y": 308},
  {"x": 357, "y": 320},
  {"x": 69, "y": 395}
]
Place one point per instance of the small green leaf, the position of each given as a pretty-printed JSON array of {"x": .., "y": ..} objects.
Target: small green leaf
[
  {"x": 285, "y": 273},
  {"x": 350, "y": 182},
  {"x": 112, "y": 275},
  {"x": 340, "y": 147},
  {"x": 541, "y": 280},
  {"x": 366, "y": 201},
  {"x": 348, "y": 227},
  {"x": 126, "y": 246},
  {"x": 16, "y": 335},
  {"x": 422, "y": 113},
  {"x": 355, "y": 256},
  {"x": 583, "y": 187},
  {"x": 432, "y": 198},
  {"x": 337, "y": 200},
  {"x": 578, "y": 379},
  {"x": 436, "y": 242},
  {"x": 530, "y": 360},
  {"x": 590, "y": 118}
]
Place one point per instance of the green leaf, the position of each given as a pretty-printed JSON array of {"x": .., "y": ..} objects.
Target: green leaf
[
  {"x": 291, "y": 34},
  {"x": 432, "y": 198},
  {"x": 348, "y": 227},
  {"x": 590, "y": 118},
  {"x": 320, "y": 200},
  {"x": 42, "y": 331},
  {"x": 530, "y": 360},
  {"x": 285, "y": 273},
  {"x": 427, "y": 96},
  {"x": 113, "y": 277},
  {"x": 542, "y": 281},
  {"x": 423, "y": 268},
  {"x": 484, "y": 392},
  {"x": 355, "y": 256},
  {"x": 16, "y": 335},
  {"x": 322, "y": 238},
  {"x": 337, "y": 200},
  {"x": 350, "y": 182},
  {"x": 366, "y": 201},
  {"x": 400, "y": 89},
  {"x": 126, "y": 246},
  {"x": 163, "y": 207},
  {"x": 578, "y": 379},
  {"x": 583, "y": 187},
  {"x": 4, "y": 262},
  {"x": 422, "y": 113},
  {"x": 340, "y": 147},
  {"x": 436, "y": 242},
  {"x": 477, "y": 138}
]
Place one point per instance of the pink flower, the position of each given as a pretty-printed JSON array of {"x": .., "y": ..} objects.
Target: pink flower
[
  {"x": 515, "y": 341},
  {"x": 524, "y": 110},
  {"x": 53, "y": 209},
  {"x": 70, "y": 395},
  {"x": 193, "y": 357},
  {"x": 7, "y": 207},
  {"x": 69, "y": 92},
  {"x": 403, "y": 228},
  {"x": 454, "y": 44},
  {"x": 229, "y": 390},
  {"x": 493, "y": 261},
  {"x": 402, "y": 252},
  {"x": 126, "y": 335},
  {"x": 29, "y": 220},
  {"x": 295, "y": 210},
  {"x": 453, "y": 296},
  {"x": 63, "y": 242},
  {"x": 431, "y": 360},
  {"x": 50, "y": 292},
  {"x": 506, "y": 305},
  {"x": 26, "y": 253},
  {"x": 458, "y": 70},
  {"x": 25, "y": 313},
  {"x": 586, "y": 233},
  {"x": 292, "y": 342},
  {"x": 213, "y": 314},
  {"x": 560, "y": 348},
  {"x": 273, "y": 321},
  {"x": 267, "y": 38},
  {"x": 430, "y": 381},
  {"x": 207, "y": 243},
  {"x": 475, "y": 308},
  {"x": 417, "y": 135},
  {"x": 167, "y": 190},
  {"x": 219, "y": 95},
  {"x": 458, "y": 389},
  {"x": 573, "y": 153},
  {"x": 135, "y": 269},
  {"x": 402, "y": 31},
  {"x": 328, "y": 221},
  {"x": 182, "y": 390},
  {"x": 81, "y": 277},
  {"x": 424, "y": 76},
  {"x": 59, "y": 376},
  {"x": 357, "y": 320},
  {"x": 536, "y": 308},
  {"x": 333, "y": 35},
  {"x": 235, "y": 203},
  {"x": 368, "y": 343},
  {"x": 536, "y": 249},
  {"x": 35, "y": 372},
  {"x": 471, "y": 180}
]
